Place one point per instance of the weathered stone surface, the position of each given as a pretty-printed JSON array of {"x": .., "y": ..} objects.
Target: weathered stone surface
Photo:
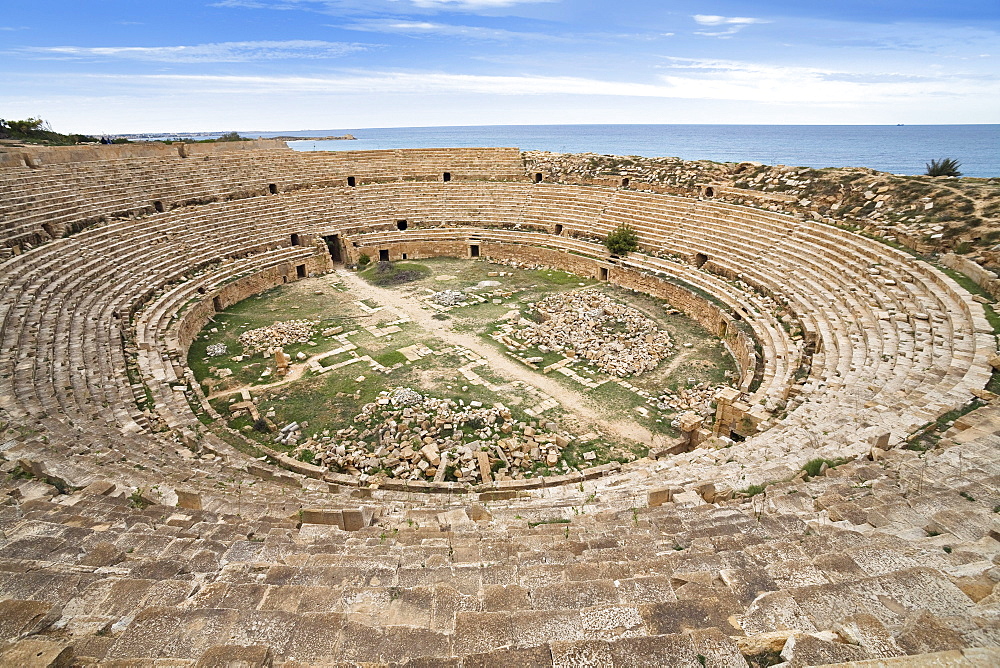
[
  {"x": 235, "y": 656},
  {"x": 37, "y": 653},
  {"x": 19, "y": 618}
]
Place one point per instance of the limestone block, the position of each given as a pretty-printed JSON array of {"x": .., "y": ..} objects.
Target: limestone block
[
  {"x": 478, "y": 513},
  {"x": 18, "y": 618},
  {"x": 100, "y": 488},
  {"x": 431, "y": 454},
  {"x": 232, "y": 656},
  {"x": 322, "y": 516},
  {"x": 457, "y": 518},
  {"x": 38, "y": 653},
  {"x": 689, "y": 422},
  {"x": 881, "y": 441},
  {"x": 706, "y": 491},
  {"x": 483, "y": 460},
  {"x": 763, "y": 643},
  {"x": 819, "y": 648},
  {"x": 657, "y": 497},
  {"x": 188, "y": 500},
  {"x": 354, "y": 520}
]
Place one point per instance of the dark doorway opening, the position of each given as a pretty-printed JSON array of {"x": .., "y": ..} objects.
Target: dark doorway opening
[
  {"x": 446, "y": 177},
  {"x": 351, "y": 181},
  {"x": 474, "y": 250},
  {"x": 158, "y": 205},
  {"x": 723, "y": 329},
  {"x": 300, "y": 271},
  {"x": 559, "y": 228},
  {"x": 296, "y": 241},
  {"x": 625, "y": 183},
  {"x": 383, "y": 255},
  {"x": 202, "y": 290},
  {"x": 710, "y": 192},
  {"x": 604, "y": 273},
  {"x": 333, "y": 245},
  {"x": 401, "y": 225},
  {"x": 404, "y": 256},
  {"x": 272, "y": 188},
  {"x": 538, "y": 177},
  {"x": 700, "y": 259},
  {"x": 217, "y": 304}
]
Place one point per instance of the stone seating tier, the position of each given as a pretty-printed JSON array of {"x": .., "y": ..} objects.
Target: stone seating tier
[{"x": 121, "y": 543}]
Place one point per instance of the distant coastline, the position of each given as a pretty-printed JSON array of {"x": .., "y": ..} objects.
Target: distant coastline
[
  {"x": 201, "y": 136},
  {"x": 888, "y": 148},
  {"x": 291, "y": 138}
]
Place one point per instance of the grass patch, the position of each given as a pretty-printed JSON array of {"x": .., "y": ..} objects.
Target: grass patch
[
  {"x": 532, "y": 525},
  {"x": 389, "y": 274},
  {"x": 813, "y": 466},
  {"x": 972, "y": 287}
]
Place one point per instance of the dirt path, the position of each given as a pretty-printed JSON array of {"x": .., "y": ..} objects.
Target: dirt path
[
  {"x": 295, "y": 372},
  {"x": 572, "y": 402},
  {"x": 676, "y": 362}
]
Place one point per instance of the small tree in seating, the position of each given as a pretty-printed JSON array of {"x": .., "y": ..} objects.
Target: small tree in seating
[
  {"x": 943, "y": 167},
  {"x": 622, "y": 241}
]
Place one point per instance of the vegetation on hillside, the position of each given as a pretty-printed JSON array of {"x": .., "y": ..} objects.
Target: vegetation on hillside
[
  {"x": 38, "y": 131},
  {"x": 917, "y": 212},
  {"x": 943, "y": 167}
]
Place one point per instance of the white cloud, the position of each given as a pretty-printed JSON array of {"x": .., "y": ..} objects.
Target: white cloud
[
  {"x": 415, "y": 28},
  {"x": 472, "y": 5},
  {"x": 12, "y": 28},
  {"x": 222, "y": 52},
  {"x": 734, "y": 23},
  {"x": 689, "y": 79},
  {"x": 336, "y": 6},
  {"x": 733, "y": 80},
  {"x": 712, "y": 20}
]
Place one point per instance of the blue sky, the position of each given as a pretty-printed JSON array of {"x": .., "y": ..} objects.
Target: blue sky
[{"x": 193, "y": 65}]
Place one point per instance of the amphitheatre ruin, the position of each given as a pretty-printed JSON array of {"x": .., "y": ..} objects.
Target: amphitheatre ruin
[{"x": 261, "y": 407}]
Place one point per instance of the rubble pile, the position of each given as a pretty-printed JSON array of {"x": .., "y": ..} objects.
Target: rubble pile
[
  {"x": 698, "y": 399},
  {"x": 410, "y": 436},
  {"x": 449, "y": 298},
  {"x": 617, "y": 339},
  {"x": 216, "y": 350},
  {"x": 278, "y": 335}
]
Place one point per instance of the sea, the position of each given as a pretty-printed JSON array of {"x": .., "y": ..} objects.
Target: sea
[{"x": 899, "y": 149}]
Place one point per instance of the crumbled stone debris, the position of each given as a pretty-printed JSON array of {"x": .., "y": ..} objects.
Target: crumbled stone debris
[
  {"x": 404, "y": 396},
  {"x": 278, "y": 335},
  {"x": 449, "y": 298},
  {"x": 216, "y": 350},
  {"x": 698, "y": 399},
  {"x": 406, "y": 435},
  {"x": 618, "y": 339}
]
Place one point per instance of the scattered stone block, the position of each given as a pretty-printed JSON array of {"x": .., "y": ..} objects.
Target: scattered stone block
[{"x": 658, "y": 497}]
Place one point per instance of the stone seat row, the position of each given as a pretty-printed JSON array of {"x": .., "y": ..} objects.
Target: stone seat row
[
  {"x": 831, "y": 299},
  {"x": 697, "y": 587},
  {"x": 62, "y": 195}
]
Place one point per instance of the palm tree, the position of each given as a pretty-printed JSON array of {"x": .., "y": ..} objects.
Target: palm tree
[{"x": 943, "y": 167}]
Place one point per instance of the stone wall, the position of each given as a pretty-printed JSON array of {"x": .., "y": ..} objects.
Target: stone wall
[
  {"x": 196, "y": 316},
  {"x": 984, "y": 278},
  {"x": 36, "y": 156}
]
